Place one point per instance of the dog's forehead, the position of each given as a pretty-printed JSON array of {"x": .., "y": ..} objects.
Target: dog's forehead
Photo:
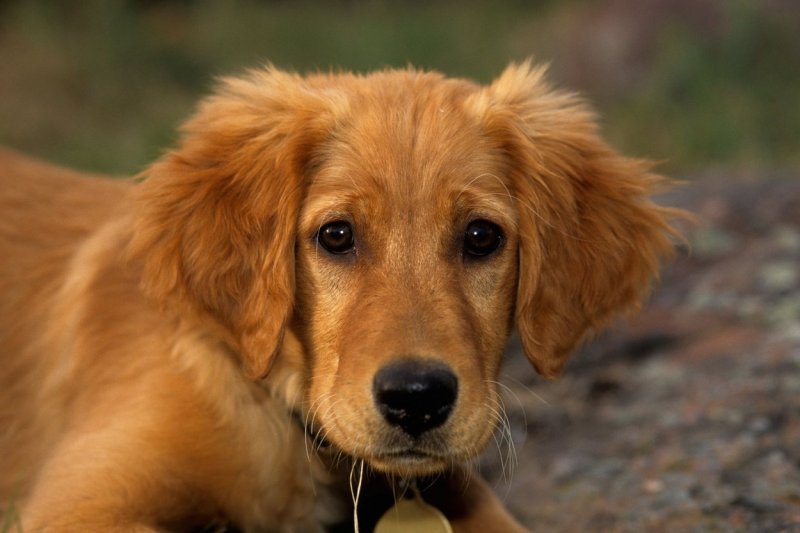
[{"x": 412, "y": 144}]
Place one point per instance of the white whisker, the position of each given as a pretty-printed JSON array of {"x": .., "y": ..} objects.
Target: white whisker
[
  {"x": 522, "y": 385},
  {"x": 310, "y": 419},
  {"x": 496, "y": 406}
]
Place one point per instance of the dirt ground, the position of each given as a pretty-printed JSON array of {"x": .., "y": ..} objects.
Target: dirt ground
[{"x": 688, "y": 419}]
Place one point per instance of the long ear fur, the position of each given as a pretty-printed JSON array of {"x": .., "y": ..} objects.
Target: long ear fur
[
  {"x": 590, "y": 240},
  {"x": 215, "y": 218}
]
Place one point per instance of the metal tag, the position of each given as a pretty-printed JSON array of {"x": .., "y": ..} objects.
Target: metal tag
[{"x": 413, "y": 515}]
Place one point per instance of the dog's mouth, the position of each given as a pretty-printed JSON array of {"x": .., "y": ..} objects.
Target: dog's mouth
[
  {"x": 421, "y": 456},
  {"x": 407, "y": 461},
  {"x": 389, "y": 451},
  {"x": 411, "y": 455},
  {"x": 315, "y": 433}
]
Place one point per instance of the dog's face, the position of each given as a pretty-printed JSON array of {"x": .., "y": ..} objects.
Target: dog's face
[
  {"x": 406, "y": 278},
  {"x": 399, "y": 225}
]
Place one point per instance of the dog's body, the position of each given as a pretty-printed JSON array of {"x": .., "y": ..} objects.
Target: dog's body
[{"x": 349, "y": 240}]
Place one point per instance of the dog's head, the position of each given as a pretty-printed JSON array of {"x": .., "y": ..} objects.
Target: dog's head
[{"x": 399, "y": 225}]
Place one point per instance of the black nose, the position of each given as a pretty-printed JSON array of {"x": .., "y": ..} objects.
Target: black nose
[{"x": 415, "y": 395}]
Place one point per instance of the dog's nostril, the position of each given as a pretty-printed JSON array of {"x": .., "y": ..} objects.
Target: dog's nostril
[{"x": 415, "y": 395}]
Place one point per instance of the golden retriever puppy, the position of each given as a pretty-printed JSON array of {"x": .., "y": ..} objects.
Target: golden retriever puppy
[{"x": 314, "y": 288}]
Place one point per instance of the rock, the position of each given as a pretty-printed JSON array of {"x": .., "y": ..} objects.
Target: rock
[{"x": 688, "y": 418}]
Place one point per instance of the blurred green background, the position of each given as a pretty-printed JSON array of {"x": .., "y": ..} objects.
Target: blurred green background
[{"x": 103, "y": 84}]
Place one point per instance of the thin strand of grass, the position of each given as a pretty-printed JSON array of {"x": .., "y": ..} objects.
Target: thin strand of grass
[{"x": 355, "y": 493}]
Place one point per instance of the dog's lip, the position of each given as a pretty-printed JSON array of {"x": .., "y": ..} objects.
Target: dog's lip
[
  {"x": 414, "y": 454},
  {"x": 410, "y": 462}
]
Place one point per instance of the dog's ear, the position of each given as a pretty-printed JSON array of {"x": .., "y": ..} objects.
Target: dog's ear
[
  {"x": 590, "y": 239},
  {"x": 215, "y": 219}
]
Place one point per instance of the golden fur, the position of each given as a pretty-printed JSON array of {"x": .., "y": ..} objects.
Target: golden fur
[{"x": 161, "y": 337}]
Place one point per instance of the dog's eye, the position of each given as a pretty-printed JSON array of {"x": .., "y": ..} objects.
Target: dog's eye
[
  {"x": 482, "y": 238},
  {"x": 336, "y": 237}
]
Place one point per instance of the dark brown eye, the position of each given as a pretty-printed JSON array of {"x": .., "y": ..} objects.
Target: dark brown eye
[
  {"x": 336, "y": 237},
  {"x": 482, "y": 238}
]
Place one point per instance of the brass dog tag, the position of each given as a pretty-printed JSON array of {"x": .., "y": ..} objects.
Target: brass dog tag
[{"x": 413, "y": 515}]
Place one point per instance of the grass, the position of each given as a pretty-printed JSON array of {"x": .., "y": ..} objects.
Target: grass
[
  {"x": 731, "y": 101},
  {"x": 102, "y": 84}
]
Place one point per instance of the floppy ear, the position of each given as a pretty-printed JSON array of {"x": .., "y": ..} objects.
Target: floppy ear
[
  {"x": 215, "y": 218},
  {"x": 590, "y": 239}
]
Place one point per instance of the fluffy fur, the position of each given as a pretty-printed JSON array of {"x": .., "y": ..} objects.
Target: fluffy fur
[{"x": 163, "y": 338}]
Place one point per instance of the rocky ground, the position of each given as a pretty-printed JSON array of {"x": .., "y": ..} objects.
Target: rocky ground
[{"x": 687, "y": 419}]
